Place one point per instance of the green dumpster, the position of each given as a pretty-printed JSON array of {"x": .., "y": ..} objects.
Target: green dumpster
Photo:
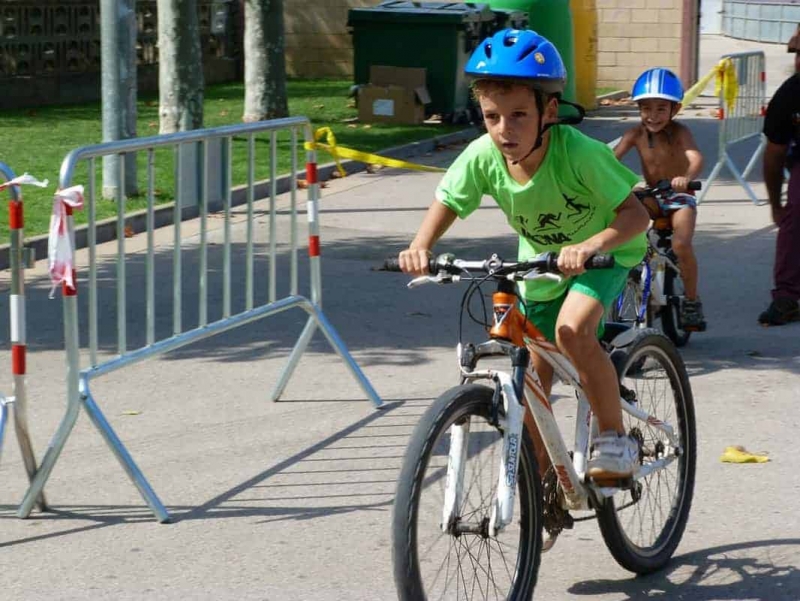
[
  {"x": 437, "y": 36},
  {"x": 506, "y": 18}
]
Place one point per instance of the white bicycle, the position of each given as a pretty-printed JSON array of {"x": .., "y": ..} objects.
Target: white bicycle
[{"x": 471, "y": 505}]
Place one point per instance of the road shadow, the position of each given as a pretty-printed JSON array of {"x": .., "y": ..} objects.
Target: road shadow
[
  {"x": 353, "y": 469},
  {"x": 374, "y": 312},
  {"x": 759, "y": 570}
]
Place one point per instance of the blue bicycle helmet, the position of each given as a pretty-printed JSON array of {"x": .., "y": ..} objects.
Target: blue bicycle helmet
[
  {"x": 658, "y": 83},
  {"x": 519, "y": 54}
]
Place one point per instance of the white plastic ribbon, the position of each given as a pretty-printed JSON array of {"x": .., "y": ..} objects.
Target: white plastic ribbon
[
  {"x": 24, "y": 179},
  {"x": 60, "y": 252}
]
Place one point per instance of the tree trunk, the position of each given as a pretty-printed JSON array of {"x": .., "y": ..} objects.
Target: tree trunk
[
  {"x": 118, "y": 86},
  {"x": 180, "y": 66},
  {"x": 264, "y": 61}
]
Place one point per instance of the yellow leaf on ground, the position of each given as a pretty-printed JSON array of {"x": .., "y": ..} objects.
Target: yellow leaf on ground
[{"x": 738, "y": 454}]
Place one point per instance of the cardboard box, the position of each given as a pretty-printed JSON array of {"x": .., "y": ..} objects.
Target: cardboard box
[{"x": 393, "y": 95}]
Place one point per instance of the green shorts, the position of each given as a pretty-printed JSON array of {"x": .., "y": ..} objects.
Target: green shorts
[{"x": 605, "y": 285}]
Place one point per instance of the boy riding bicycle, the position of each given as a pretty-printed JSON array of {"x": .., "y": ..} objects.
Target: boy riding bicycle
[
  {"x": 668, "y": 152},
  {"x": 560, "y": 191}
]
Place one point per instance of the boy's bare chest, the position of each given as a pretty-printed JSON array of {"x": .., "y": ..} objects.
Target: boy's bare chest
[{"x": 663, "y": 158}]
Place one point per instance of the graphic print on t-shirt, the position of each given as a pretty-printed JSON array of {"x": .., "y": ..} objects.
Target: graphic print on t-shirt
[{"x": 556, "y": 228}]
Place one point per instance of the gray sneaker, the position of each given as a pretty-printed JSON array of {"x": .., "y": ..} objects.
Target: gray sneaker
[
  {"x": 692, "y": 318},
  {"x": 613, "y": 456}
]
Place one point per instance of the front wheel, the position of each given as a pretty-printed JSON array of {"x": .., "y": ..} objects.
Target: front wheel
[
  {"x": 630, "y": 307},
  {"x": 643, "y": 526},
  {"x": 671, "y": 313},
  {"x": 465, "y": 562}
]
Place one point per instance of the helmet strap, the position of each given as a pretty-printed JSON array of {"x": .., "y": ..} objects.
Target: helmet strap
[{"x": 570, "y": 120}]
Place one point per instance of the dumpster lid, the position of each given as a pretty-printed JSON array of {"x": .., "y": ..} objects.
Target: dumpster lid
[{"x": 429, "y": 13}]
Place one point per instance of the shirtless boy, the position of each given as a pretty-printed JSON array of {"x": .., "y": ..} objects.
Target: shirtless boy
[{"x": 668, "y": 152}]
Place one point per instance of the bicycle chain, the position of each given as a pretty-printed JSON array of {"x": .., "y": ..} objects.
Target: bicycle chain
[{"x": 556, "y": 518}]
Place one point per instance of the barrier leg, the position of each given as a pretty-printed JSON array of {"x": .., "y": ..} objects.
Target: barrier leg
[
  {"x": 756, "y": 156},
  {"x": 23, "y": 438},
  {"x": 70, "y": 307},
  {"x": 318, "y": 319},
  {"x": 49, "y": 460},
  {"x": 341, "y": 349},
  {"x": 742, "y": 182},
  {"x": 125, "y": 459},
  {"x": 294, "y": 358},
  {"x": 714, "y": 174}
]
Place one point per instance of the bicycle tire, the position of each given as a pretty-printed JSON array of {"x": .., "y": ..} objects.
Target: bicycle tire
[
  {"x": 670, "y": 315},
  {"x": 626, "y": 308},
  {"x": 412, "y": 551},
  {"x": 620, "y": 512}
]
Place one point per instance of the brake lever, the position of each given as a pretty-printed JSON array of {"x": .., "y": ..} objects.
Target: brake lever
[
  {"x": 535, "y": 274},
  {"x": 439, "y": 278}
]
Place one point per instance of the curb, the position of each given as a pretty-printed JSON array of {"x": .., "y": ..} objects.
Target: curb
[
  {"x": 617, "y": 95},
  {"x": 106, "y": 230}
]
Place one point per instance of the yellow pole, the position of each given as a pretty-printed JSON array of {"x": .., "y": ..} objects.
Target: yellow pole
[{"x": 584, "y": 27}]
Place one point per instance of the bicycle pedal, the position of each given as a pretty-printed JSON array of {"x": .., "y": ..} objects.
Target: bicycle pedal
[{"x": 621, "y": 483}]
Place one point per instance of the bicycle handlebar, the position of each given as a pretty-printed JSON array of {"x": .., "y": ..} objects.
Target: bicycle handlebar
[
  {"x": 544, "y": 263},
  {"x": 663, "y": 189}
]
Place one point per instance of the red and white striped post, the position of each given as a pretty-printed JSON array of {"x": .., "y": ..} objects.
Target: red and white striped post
[
  {"x": 16, "y": 222},
  {"x": 313, "y": 223}
]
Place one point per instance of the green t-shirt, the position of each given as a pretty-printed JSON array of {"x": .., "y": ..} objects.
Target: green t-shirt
[{"x": 570, "y": 198}]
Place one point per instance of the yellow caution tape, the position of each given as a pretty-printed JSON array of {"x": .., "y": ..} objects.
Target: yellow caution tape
[
  {"x": 342, "y": 152},
  {"x": 739, "y": 454},
  {"x": 725, "y": 73},
  {"x": 726, "y": 82}
]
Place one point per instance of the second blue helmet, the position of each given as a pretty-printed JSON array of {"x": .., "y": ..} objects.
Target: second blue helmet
[
  {"x": 658, "y": 83},
  {"x": 519, "y": 54}
]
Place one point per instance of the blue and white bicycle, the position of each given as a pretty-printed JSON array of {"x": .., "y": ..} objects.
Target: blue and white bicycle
[{"x": 654, "y": 289}]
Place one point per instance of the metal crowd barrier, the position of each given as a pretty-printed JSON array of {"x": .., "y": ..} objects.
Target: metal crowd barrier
[
  {"x": 78, "y": 379},
  {"x": 17, "y": 403},
  {"x": 744, "y": 120}
]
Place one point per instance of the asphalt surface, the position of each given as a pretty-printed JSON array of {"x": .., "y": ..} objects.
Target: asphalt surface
[{"x": 292, "y": 500}]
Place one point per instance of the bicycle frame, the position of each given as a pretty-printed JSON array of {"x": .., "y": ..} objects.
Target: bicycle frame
[
  {"x": 514, "y": 336},
  {"x": 652, "y": 279}
]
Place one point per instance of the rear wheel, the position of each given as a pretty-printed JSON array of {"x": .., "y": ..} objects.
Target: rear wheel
[
  {"x": 466, "y": 561},
  {"x": 643, "y": 526},
  {"x": 671, "y": 313}
]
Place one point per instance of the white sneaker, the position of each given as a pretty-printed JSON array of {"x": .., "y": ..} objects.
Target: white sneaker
[{"x": 613, "y": 456}]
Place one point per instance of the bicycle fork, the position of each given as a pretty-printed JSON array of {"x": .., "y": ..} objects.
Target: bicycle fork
[{"x": 509, "y": 389}]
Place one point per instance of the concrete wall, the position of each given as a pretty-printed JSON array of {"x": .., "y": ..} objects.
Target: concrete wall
[{"x": 634, "y": 35}]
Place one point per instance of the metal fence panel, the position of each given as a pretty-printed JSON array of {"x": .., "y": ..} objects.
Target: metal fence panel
[
  {"x": 744, "y": 119},
  {"x": 132, "y": 348}
]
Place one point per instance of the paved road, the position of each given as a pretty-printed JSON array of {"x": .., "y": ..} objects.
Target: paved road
[{"x": 292, "y": 500}]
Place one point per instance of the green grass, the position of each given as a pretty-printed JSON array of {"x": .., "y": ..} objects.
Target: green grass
[{"x": 37, "y": 140}]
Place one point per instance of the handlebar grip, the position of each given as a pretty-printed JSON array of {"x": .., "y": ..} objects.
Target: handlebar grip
[
  {"x": 393, "y": 264},
  {"x": 600, "y": 262},
  {"x": 594, "y": 262},
  {"x": 695, "y": 185}
]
